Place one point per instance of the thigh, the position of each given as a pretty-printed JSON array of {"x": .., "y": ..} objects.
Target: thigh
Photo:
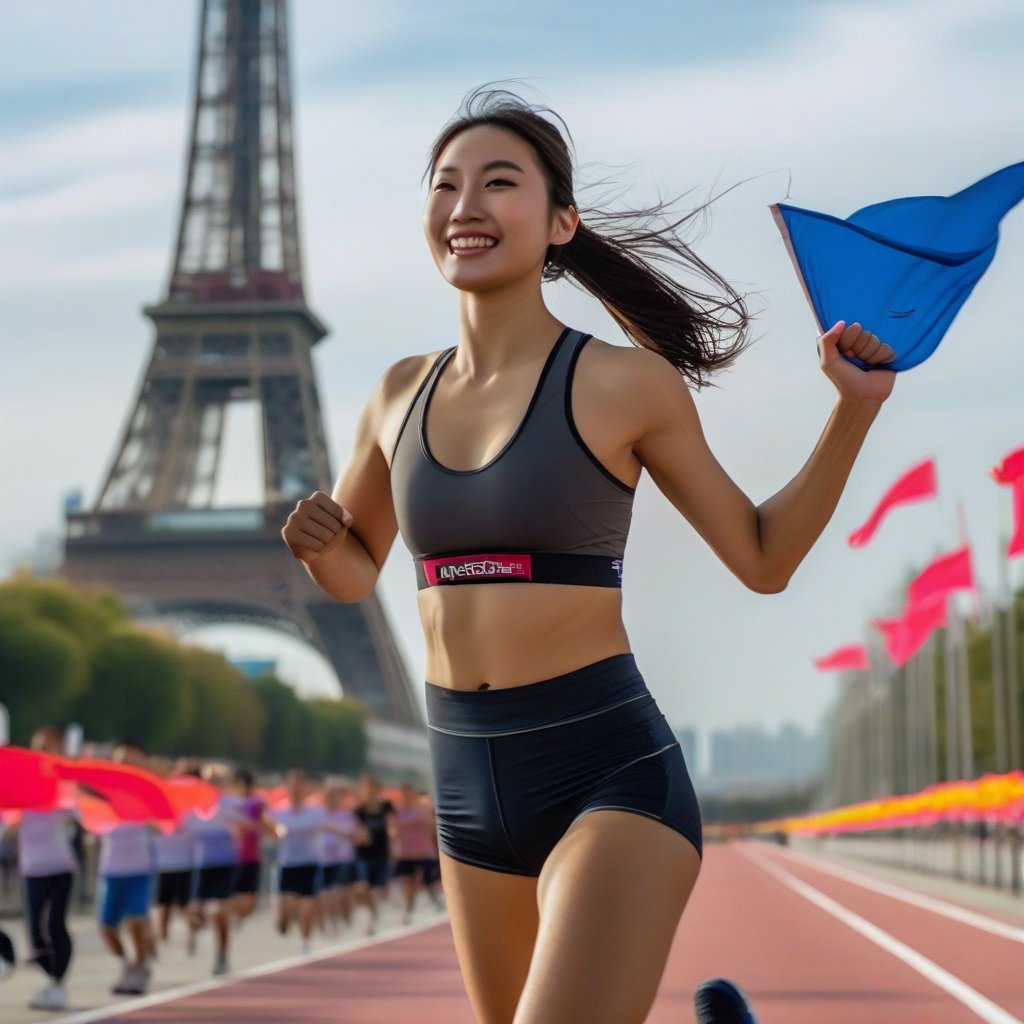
[
  {"x": 611, "y": 894},
  {"x": 494, "y": 920}
]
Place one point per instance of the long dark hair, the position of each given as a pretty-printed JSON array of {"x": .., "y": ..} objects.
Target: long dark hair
[{"x": 612, "y": 253}]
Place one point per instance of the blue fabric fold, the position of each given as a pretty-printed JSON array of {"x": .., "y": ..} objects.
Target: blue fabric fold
[{"x": 901, "y": 268}]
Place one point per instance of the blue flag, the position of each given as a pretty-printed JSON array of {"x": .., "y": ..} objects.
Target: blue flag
[{"x": 903, "y": 268}]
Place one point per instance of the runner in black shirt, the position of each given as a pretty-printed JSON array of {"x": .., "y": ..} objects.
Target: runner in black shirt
[{"x": 372, "y": 857}]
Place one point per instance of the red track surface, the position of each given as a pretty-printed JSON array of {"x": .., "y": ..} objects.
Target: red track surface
[{"x": 798, "y": 963}]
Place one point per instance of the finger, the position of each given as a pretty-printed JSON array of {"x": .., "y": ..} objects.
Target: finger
[
  {"x": 832, "y": 333},
  {"x": 300, "y": 538},
  {"x": 850, "y": 336},
  {"x": 323, "y": 534},
  {"x": 865, "y": 346},
  {"x": 329, "y": 505},
  {"x": 326, "y": 519}
]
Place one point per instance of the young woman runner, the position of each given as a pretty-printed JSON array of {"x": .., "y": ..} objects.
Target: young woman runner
[
  {"x": 569, "y": 832},
  {"x": 416, "y": 842}
]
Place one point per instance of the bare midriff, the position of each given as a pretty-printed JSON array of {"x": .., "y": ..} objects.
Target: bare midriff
[{"x": 497, "y": 635}]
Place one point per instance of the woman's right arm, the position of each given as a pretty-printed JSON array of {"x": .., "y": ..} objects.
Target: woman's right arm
[{"x": 343, "y": 538}]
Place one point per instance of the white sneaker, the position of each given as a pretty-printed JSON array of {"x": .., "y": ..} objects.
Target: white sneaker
[
  {"x": 221, "y": 965},
  {"x": 306, "y": 947},
  {"x": 53, "y": 997}
]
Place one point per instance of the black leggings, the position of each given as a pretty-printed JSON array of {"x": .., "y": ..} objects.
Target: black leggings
[{"x": 46, "y": 903}]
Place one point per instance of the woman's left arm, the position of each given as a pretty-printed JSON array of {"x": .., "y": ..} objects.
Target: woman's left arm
[{"x": 762, "y": 545}]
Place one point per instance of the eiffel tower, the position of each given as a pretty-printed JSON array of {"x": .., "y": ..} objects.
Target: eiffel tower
[{"x": 235, "y": 327}]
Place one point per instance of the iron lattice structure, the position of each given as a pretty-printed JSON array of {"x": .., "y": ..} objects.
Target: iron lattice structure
[{"x": 234, "y": 326}]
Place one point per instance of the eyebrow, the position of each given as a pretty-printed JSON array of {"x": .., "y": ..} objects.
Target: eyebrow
[{"x": 492, "y": 165}]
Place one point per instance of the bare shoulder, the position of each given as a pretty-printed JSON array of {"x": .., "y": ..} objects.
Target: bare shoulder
[
  {"x": 393, "y": 394},
  {"x": 635, "y": 377}
]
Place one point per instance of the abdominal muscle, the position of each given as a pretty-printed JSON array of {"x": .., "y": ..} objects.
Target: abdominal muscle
[{"x": 511, "y": 634}]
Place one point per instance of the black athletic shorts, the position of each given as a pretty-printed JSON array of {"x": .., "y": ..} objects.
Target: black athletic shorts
[
  {"x": 431, "y": 871},
  {"x": 412, "y": 866},
  {"x": 375, "y": 873},
  {"x": 247, "y": 878},
  {"x": 515, "y": 767},
  {"x": 342, "y": 873},
  {"x": 299, "y": 879},
  {"x": 174, "y": 888},
  {"x": 214, "y": 883}
]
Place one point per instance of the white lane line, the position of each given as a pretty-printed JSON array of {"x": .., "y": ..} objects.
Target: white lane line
[
  {"x": 936, "y": 906},
  {"x": 183, "y": 991},
  {"x": 959, "y": 990}
]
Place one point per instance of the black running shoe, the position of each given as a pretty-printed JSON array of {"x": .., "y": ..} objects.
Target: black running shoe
[
  {"x": 6, "y": 954},
  {"x": 719, "y": 1001}
]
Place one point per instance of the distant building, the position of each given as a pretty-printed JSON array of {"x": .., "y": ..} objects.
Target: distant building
[
  {"x": 788, "y": 756},
  {"x": 688, "y": 743}
]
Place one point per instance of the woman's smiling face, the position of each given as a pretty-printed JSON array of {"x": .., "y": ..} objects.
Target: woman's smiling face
[{"x": 488, "y": 217}]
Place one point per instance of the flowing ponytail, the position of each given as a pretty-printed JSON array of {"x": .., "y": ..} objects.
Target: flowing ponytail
[{"x": 613, "y": 253}]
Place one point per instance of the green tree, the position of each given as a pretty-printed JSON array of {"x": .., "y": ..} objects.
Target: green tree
[
  {"x": 342, "y": 725},
  {"x": 282, "y": 742},
  {"x": 43, "y": 669},
  {"x": 87, "y": 615},
  {"x": 136, "y": 690},
  {"x": 228, "y": 717}
]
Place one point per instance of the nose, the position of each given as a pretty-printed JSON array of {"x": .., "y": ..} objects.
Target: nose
[{"x": 466, "y": 207}]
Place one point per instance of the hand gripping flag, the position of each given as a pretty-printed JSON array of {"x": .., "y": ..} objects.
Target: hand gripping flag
[
  {"x": 901, "y": 268},
  {"x": 1011, "y": 471},
  {"x": 916, "y": 484}
]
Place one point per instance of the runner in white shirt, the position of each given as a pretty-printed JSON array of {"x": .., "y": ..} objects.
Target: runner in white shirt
[
  {"x": 127, "y": 871},
  {"x": 47, "y": 866},
  {"x": 338, "y": 852},
  {"x": 217, "y": 840},
  {"x": 298, "y": 829}
]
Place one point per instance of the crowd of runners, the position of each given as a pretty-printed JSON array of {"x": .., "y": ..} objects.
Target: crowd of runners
[{"x": 336, "y": 847}]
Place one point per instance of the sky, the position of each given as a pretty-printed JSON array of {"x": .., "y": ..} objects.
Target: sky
[{"x": 836, "y": 103}]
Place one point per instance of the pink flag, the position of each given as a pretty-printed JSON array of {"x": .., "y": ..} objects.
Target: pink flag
[
  {"x": 1017, "y": 540},
  {"x": 1010, "y": 469},
  {"x": 946, "y": 573},
  {"x": 853, "y": 656},
  {"x": 915, "y": 484},
  {"x": 905, "y": 636}
]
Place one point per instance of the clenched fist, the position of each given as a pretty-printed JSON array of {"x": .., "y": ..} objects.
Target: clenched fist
[{"x": 316, "y": 525}]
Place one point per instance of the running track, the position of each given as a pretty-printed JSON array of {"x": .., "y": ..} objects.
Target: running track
[{"x": 808, "y": 945}]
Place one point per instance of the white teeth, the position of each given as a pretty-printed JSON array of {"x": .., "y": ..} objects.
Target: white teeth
[{"x": 472, "y": 242}]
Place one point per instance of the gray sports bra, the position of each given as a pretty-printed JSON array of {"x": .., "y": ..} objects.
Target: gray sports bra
[{"x": 543, "y": 510}]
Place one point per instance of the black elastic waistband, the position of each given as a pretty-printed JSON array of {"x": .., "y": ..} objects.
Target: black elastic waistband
[
  {"x": 518, "y": 567},
  {"x": 585, "y": 691}
]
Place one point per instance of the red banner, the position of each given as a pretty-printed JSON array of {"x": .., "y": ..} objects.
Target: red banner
[
  {"x": 905, "y": 636},
  {"x": 916, "y": 484},
  {"x": 855, "y": 656},
  {"x": 1011, "y": 468},
  {"x": 945, "y": 574}
]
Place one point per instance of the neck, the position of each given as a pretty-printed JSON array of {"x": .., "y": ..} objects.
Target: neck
[{"x": 503, "y": 328}]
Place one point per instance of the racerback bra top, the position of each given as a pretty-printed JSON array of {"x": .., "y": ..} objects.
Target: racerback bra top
[{"x": 543, "y": 510}]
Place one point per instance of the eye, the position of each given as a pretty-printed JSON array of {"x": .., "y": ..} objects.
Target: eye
[
  {"x": 443, "y": 185},
  {"x": 501, "y": 181}
]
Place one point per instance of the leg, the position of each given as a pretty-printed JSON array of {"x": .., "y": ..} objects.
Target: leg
[
  {"x": 138, "y": 929},
  {"x": 56, "y": 926},
  {"x": 37, "y": 891},
  {"x": 614, "y": 876},
  {"x": 494, "y": 921}
]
